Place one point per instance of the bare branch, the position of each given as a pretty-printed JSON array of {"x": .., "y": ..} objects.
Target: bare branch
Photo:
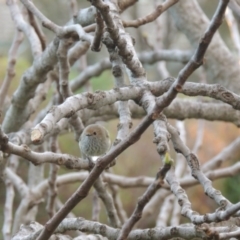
[{"x": 152, "y": 16}]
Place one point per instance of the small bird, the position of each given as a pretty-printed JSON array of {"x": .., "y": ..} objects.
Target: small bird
[{"x": 94, "y": 141}]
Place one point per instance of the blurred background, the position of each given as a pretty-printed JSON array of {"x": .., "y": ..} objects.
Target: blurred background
[{"x": 141, "y": 158}]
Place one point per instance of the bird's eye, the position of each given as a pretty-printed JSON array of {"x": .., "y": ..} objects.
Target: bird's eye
[{"x": 94, "y": 133}]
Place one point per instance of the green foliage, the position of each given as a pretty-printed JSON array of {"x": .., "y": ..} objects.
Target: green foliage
[
  {"x": 167, "y": 159},
  {"x": 231, "y": 188},
  {"x": 68, "y": 144},
  {"x": 102, "y": 82}
]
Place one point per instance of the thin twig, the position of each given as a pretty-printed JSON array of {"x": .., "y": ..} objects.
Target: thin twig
[
  {"x": 52, "y": 191},
  {"x": 96, "y": 43},
  {"x": 37, "y": 29},
  {"x": 152, "y": 16},
  {"x": 143, "y": 200},
  {"x": 18, "y": 38}
]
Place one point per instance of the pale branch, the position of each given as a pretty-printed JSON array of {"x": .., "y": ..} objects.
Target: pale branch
[
  {"x": 26, "y": 200},
  {"x": 165, "y": 211},
  {"x": 90, "y": 28},
  {"x": 150, "y": 17},
  {"x": 10, "y": 73},
  {"x": 44, "y": 20},
  {"x": 118, "y": 70},
  {"x": 124, "y": 4},
  {"x": 78, "y": 50},
  {"x": 18, "y": 112},
  {"x": 187, "y": 211},
  {"x": 231, "y": 152},
  {"x": 215, "y": 91},
  {"x": 181, "y": 165},
  {"x": 52, "y": 192},
  {"x": 229, "y": 235},
  {"x": 175, "y": 55},
  {"x": 162, "y": 40},
  {"x": 196, "y": 172},
  {"x": 9, "y": 200},
  {"x": 60, "y": 127},
  {"x": 143, "y": 181},
  {"x": 90, "y": 237},
  {"x": 73, "y": 7},
  {"x": 233, "y": 27},
  {"x": 75, "y": 52},
  {"x": 61, "y": 180},
  {"x": 180, "y": 109},
  {"x": 36, "y": 173},
  {"x": 37, "y": 158},
  {"x": 96, "y": 207},
  {"x": 176, "y": 214},
  {"x": 224, "y": 172},
  {"x": 199, "y": 138},
  {"x": 17, "y": 182},
  {"x": 85, "y": 16},
  {"x": 108, "y": 203},
  {"x": 53, "y": 171},
  {"x": 154, "y": 233},
  {"x": 180, "y": 170},
  {"x": 125, "y": 121},
  {"x": 233, "y": 170},
  {"x": 81, "y": 101},
  {"x": 121, "y": 181},
  {"x": 39, "y": 97},
  {"x": 75, "y": 31},
  {"x": 32, "y": 231},
  {"x": 35, "y": 176},
  {"x": 161, "y": 135},
  {"x": 25, "y": 27},
  {"x": 64, "y": 69},
  {"x": 234, "y": 6},
  {"x": 118, "y": 202},
  {"x": 29, "y": 199},
  {"x": 103, "y": 98},
  {"x": 8, "y": 211}
]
